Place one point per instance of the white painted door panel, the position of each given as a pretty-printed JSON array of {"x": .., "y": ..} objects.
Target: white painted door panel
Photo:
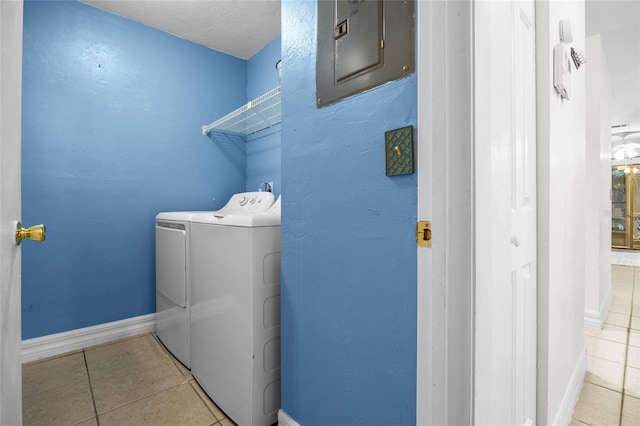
[
  {"x": 505, "y": 352},
  {"x": 523, "y": 215},
  {"x": 10, "y": 116}
]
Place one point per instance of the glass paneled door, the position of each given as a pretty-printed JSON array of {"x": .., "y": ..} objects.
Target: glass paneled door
[{"x": 625, "y": 206}]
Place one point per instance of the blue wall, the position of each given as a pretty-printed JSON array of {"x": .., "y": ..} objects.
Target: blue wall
[
  {"x": 349, "y": 251},
  {"x": 112, "y": 112},
  {"x": 263, "y": 148}
]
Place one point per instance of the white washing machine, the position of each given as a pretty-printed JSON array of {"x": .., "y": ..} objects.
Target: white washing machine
[
  {"x": 173, "y": 289},
  {"x": 235, "y": 316},
  {"x": 173, "y": 317}
]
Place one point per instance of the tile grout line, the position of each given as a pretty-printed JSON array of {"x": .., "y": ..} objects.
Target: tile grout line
[
  {"x": 189, "y": 380},
  {"x": 604, "y": 338},
  {"x": 607, "y": 359},
  {"x": 626, "y": 351},
  {"x": 143, "y": 397},
  {"x": 205, "y": 402},
  {"x": 173, "y": 359},
  {"x": 93, "y": 399}
]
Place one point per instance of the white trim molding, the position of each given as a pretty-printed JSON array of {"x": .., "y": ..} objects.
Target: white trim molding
[
  {"x": 572, "y": 392},
  {"x": 595, "y": 319},
  {"x": 445, "y": 287},
  {"x": 59, "y": 343},
  {"x": 285, "y": 420}
]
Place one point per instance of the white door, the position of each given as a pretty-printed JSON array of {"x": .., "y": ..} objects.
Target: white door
[
  {"x": 10, "y": 119},
  {"x": 505, "y": 177}
]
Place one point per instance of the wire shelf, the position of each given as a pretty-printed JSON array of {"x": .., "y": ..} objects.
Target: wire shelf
[{"x": 258, "y": 114}]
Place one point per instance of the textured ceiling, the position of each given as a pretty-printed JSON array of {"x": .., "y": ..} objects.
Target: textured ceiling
[
  {"x": 237, "y": 27},
  {"x": 618, "y": 23}
]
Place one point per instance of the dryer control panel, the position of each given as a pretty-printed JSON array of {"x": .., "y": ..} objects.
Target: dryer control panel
[{"x": 247, "y": 202}]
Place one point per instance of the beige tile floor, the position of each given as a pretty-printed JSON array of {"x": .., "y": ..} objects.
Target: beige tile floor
[
  {"x": 133, "y": 381},
  {"x": 611, "y": 392}
]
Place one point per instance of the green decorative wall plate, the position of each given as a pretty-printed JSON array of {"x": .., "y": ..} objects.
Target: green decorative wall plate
[{"x": 399, "y": 151}]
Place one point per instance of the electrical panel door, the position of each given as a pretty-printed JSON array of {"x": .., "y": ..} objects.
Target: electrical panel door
[
  {"x": 358, "y": 38},
  {"x": 362, "y": 44}
]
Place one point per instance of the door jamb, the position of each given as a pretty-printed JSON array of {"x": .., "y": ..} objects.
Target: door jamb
[{"x": 446, "y": 280}]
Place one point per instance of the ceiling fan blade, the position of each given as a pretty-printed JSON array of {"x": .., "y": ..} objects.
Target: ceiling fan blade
[{"x": 633, "y": 134}]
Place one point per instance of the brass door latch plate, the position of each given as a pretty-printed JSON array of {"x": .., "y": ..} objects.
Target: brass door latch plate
[{"x": 423, "y": 233}]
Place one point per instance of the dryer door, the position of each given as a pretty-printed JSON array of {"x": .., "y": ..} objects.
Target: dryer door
[{"x": 171, "y": 268}]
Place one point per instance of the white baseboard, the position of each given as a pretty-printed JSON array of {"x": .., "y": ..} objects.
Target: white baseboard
[
  {"x": 595, "y": 319},
  {"x": 59, "y": 343},
  {"x": 285, "y": 420},
  {"x": 572, "y": 392}
]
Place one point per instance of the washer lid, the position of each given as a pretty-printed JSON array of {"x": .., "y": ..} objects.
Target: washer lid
[
  {"x": 177, "y": 216},
  {"x": 239, "y": 219}
]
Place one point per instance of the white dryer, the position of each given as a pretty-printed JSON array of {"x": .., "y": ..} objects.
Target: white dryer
[
  {"x": 173, "y": 319},
  {"x": 235, "y": 317}
]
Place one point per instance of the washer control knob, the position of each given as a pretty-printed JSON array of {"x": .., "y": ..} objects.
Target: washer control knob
[
  {"x": 252, "y": 200},
  {"x": 243, "y": 201}
]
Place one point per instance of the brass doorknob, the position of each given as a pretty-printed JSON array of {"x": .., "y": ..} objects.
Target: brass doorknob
[{"x": 35, "y": 233}]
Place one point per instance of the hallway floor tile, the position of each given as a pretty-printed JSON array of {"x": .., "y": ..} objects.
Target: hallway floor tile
[{"x": 611, "y": 392}]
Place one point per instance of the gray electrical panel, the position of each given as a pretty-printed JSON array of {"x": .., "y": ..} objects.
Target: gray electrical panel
[{"x": 362, "y": 44}]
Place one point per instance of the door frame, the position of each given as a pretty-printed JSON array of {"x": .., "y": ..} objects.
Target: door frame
[
  {"x": 446, "y": 275},
  {"x": 10, "y": 261},
  {"x": 445, "y": 157}
]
